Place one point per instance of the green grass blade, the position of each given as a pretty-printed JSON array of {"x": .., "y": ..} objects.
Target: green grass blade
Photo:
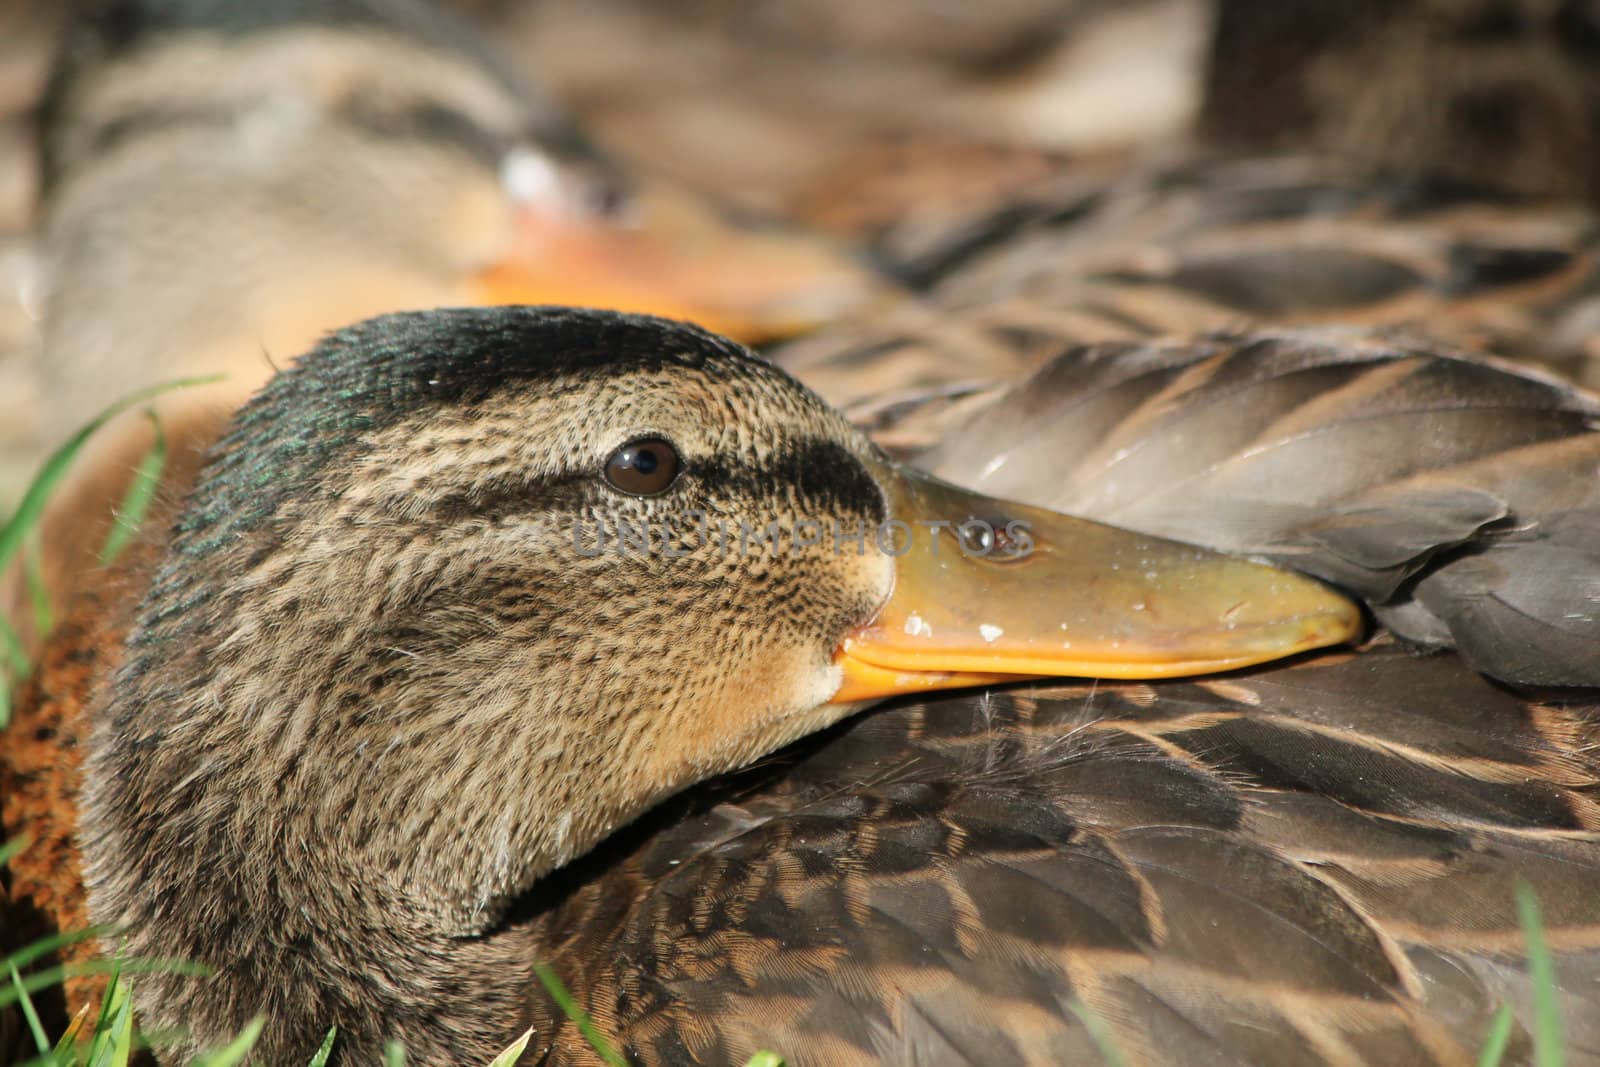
[
  {"x": 513, "y": 1052},
  {"x": 26, "y": 517},
  {"x": 1494, "y": 1046},
  {"x": 765, "y": 1059},
  {"x": 234, "y": 1051},
  {"x": 116, "y": 993},
  {"x": 44, "y": 615},
  {"x": 52, "y": 975},
  {"x": 141, "y": 491},
  {"x": 1099, "y": 1033},
  {"x": 1547, "y": 1037},
  {"x": 12, "y": 848},
  {"x": 14, "y": 667},
  {"x": 326, "y": 1049},
  {"x": 46, "y": 945},
  {"x": 16, "y": 657},
  {"x": 28, "y": 1012},
  {"x": 112, "y": 1044},
  {"x": 394, "y": 1054},
  {"x": 580, "y": 1018}
]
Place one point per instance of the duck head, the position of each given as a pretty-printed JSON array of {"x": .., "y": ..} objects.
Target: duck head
[{"x": 463, "y": 592}]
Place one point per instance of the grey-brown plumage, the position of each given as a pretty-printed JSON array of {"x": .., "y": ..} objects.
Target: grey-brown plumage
[
  {"x": 1311, "y": 865},
  {"x": 1461, "y": 501},
  {"x": 1214, "y": 243}
]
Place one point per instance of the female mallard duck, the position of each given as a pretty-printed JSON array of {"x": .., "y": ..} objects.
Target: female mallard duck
[
  {"x": 386, "y": 673},
  {"x": 347, "y": 723},
  {"x": 223, "y": 183}
]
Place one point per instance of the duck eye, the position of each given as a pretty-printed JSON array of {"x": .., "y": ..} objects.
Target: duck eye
[{"x": 643, "y": 468}]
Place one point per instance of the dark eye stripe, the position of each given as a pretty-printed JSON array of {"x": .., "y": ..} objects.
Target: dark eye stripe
[
  {"x": 821, "y": 476},
  {"x": 114, "y": 133},
  {"x": 427, "y": 121}
]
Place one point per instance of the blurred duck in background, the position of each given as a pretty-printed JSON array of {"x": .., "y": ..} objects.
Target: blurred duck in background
[{"x": 224, "y": 182}]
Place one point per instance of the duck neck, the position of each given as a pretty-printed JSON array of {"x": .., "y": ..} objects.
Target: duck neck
[{"x": 324, "y": 818}]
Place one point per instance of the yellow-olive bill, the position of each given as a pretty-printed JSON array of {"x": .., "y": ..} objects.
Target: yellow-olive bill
[{"x": 988, "y": 590}]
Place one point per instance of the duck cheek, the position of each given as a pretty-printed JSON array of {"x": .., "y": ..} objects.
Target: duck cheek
[{"x": 770, "y": 692}]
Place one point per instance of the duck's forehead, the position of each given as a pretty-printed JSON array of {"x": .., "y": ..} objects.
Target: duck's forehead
[{"x": 732, "y": 405}]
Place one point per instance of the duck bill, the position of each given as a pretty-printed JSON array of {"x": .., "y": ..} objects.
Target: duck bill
[
  {"x": 988, "y": 590},
  {"x": 679, "y": 259}
]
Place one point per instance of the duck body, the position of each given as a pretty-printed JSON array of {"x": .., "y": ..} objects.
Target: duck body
[
  {"x": 1274, "y": 867},
  {"x": 1206, "y": 243}
]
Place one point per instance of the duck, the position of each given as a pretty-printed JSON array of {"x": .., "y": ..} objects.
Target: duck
[
  {"x": 384, "y": 668},
  {"x": 968, "y": 878},
  {"x": 223, "y": 183},
  {"x": 940, "y": 880}
]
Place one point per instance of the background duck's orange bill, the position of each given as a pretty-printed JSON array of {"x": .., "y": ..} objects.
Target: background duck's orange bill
[
  {"x": 1063, "y": 596},
  {"x": 679, "y": 259}
]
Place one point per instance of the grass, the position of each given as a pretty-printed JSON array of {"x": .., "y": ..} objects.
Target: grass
[
  {"x": 114, "y": 1037},
  {"x": 18, "y": 532},
  {"x": 596, "y": 1040}
]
